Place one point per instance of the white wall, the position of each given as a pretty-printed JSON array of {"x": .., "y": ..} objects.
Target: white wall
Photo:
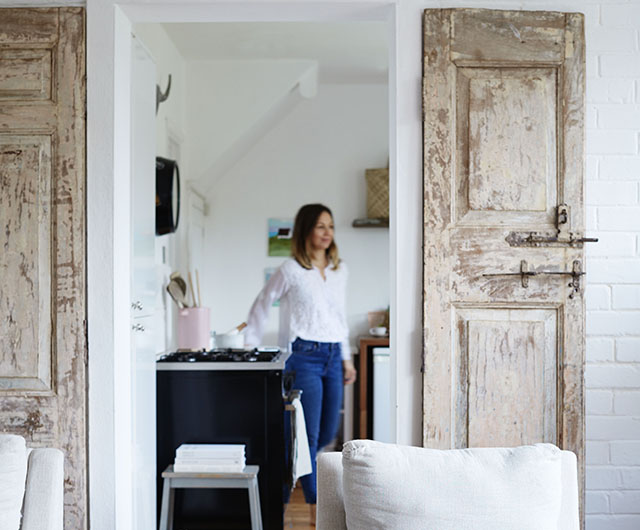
[
  {"x": 317, "y": 153},
  {"x": 613, "y": 61}
]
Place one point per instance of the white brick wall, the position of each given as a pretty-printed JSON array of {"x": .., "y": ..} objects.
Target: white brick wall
[{"x": 613, "y": 266}]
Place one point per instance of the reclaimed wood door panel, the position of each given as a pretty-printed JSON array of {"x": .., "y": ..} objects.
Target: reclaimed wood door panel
[
  {"x": 25, "y": 74},
  {"x": 503, "y": 101},
  {"x": 43, "y": 349},
  {"x": 25, "y": 345},
  {"x": 506, "y": 150},
  {"x": 503, "y": 352}
]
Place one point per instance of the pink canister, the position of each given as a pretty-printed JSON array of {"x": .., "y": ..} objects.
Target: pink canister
[{"x": 193, "y": 328}]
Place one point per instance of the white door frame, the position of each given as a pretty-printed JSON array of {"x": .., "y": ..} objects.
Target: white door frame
[{"x": 108, "y": 211}]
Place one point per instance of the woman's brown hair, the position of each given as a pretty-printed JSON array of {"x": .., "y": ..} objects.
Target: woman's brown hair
[{"x": 305, "y": 222}]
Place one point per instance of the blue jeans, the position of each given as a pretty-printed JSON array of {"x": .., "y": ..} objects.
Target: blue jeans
[{"x": 318, "y": 368}]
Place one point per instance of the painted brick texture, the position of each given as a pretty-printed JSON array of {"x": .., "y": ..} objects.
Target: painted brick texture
[{"x": 613, "y": 265}]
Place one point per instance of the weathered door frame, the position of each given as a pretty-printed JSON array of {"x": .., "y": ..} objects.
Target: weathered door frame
[{"x": 109, "y": 28}]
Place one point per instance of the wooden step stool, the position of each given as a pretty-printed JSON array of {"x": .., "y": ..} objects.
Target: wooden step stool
[{"x": 247, "y": 478}]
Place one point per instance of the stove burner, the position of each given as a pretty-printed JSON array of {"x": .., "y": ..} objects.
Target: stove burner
[{"x": 222, "y": 355}]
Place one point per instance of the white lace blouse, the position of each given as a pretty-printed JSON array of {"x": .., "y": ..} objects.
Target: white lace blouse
[{"x": 311, "y": 307}]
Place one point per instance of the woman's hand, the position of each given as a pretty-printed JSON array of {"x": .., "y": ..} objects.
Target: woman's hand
[{"x": 349, "y": 372}]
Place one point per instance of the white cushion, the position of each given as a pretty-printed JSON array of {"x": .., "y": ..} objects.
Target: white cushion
[
  {"x": 569, "y": 505},
  {"x": 330, "y": 504},
  {"x": 13, "y": 471},
  {"x": 43, "y": 507},
  {"x": 392, "y": 487}
]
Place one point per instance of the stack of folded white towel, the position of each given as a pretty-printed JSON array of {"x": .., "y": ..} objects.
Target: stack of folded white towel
[{"x": 210, "y": 458}]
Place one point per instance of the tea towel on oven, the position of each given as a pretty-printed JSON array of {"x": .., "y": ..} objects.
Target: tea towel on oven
[{"x": 301, "y": 455}]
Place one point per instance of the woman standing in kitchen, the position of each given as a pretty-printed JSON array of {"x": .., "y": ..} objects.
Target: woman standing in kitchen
[{"x": 311, "y": 287}]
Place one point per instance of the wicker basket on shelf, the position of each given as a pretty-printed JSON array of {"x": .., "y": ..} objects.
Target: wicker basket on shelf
[{"x": 377, "y": 193}]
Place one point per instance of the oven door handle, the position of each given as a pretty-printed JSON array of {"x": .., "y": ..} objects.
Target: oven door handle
[{"x": 290, "y": 396}]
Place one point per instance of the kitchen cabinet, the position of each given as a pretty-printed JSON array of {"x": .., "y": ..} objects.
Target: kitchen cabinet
[
  {"x": 143, "y": 389},
  {"x": 143, "y": 287},
  {"x": 143, "y": 183}
]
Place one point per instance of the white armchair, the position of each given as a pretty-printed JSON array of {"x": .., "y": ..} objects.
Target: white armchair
[
  {"x": 31, "y": 486},
  {"x": 375, "y": 486}
]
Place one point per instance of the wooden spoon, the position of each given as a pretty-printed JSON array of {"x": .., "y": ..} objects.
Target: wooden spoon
[{"x": 177, "y": 294}]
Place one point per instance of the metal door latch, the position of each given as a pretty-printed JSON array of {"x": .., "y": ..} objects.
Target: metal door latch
[
  {"x": 563, "y": 237},
  {"x": 536, "y": 239},
  {"x": 563, "y": 221},
  {"x": 525, "y": 273}
]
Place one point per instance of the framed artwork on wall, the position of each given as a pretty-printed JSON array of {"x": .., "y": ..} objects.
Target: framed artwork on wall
[{"x": 280, "y": 232}]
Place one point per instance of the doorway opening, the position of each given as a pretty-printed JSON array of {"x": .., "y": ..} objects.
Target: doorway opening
[
  {"x": 263, "y": 117},
  {"x": 178, "y": 142}
]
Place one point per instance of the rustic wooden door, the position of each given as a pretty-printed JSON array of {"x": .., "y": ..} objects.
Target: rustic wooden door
[
  {"x": 503, "y": 221},
  {"x": 43, "y": 348}
]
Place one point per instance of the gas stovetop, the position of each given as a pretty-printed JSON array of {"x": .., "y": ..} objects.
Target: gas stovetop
[
  {"x": 224, "y": 359},
  {"x": 221, "y": 356}
]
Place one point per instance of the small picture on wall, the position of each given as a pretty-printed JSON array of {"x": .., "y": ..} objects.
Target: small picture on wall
[
  {"x": 280, "y": 232},
  {"x": 268, "y": 272}
]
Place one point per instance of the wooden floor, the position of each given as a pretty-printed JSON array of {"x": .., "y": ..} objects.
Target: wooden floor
[{"x": 297, "y": 516}]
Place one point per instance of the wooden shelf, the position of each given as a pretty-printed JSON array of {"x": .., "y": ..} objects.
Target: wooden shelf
[{"x": 370, "y": 223}]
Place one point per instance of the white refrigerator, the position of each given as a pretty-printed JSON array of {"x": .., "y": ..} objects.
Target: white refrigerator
[{"x": 381, "y": 395}]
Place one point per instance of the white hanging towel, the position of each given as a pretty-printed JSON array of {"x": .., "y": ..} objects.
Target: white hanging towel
[{"x": 301, "y": 455}]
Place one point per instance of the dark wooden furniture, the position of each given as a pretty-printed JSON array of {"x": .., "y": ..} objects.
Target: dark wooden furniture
[{"x": 363, "y": 391}]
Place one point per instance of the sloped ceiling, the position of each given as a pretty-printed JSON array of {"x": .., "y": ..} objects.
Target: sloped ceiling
[
  {"x": 353, "y": 52},
  {"x": 245, "y": 78},
  {"x": 233, "y": 104}
]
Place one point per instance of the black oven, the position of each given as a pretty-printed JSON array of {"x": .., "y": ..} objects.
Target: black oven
[{"x": 229, "y": 402}]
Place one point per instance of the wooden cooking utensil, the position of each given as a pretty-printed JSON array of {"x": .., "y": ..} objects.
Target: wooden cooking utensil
[
  {"x": 176, "y": 293},
  {"x": 193, "y": 294},
  {"x": 198, "y": 288}
]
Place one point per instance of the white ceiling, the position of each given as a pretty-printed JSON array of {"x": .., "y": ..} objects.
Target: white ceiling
[{"x": 346, "y": 52}]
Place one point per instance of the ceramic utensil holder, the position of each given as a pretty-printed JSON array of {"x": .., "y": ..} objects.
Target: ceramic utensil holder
[{"x": 193, "y": 328}]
